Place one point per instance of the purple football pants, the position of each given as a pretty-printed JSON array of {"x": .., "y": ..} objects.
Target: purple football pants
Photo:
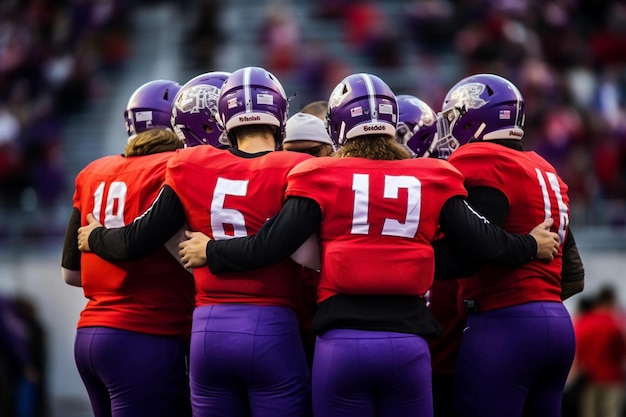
[
  {"x": 371, "y": 374},
  {"x": 248, "y": 360},
  {"x": 514, "y": 361},
  {"x": 129, "y": 374}
]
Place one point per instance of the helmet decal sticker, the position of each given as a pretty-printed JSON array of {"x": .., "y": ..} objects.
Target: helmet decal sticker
[
  {"x": 385, "y": 109},
  {"x": 356, "y": 111},
  {"x": 337, "y": 95},
  {"x": 468, "y": 96},
  {"x": 265, "y": 99},
  {"x": 199, "y": 97}
]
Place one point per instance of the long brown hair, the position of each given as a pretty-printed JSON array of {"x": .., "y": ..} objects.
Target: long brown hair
[
  {"x": 379, "y": 147},
  {"x": 153, "y": 141}
]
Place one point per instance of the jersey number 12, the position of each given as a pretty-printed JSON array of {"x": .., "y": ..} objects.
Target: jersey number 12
[{"x": 391, "y": 227}]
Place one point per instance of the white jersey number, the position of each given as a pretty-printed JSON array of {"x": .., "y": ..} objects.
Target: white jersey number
[
  {"x": 221, "y": 215},
  {"x": 391, "y": 227},
  {"x": 114, "y": 207},
  {"x": 563, "y": 209}
]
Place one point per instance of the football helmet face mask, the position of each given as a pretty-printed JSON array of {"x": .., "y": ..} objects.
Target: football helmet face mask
[
  {"x": 361, "y": 104},
  {"x": 150, "y": 106},
  {"x": 194, "y": 111},
  {"x": 253, "y": 96},
  {"x": 479, "y": 107},
  {"x": 417, "y": 126}
]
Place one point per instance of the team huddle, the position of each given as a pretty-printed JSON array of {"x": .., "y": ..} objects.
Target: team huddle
[{"x": 367, "y": 256}]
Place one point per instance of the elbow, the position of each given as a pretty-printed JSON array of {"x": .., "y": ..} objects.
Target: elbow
[
  {"x": 71, "y": 277},
  {"x": 571, "y": 288}
]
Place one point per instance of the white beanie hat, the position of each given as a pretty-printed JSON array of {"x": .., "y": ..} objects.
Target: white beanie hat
[{"x": 304, "y": 126}]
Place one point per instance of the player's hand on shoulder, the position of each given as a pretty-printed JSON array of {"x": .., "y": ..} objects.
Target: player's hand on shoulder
[
  {"x": 547, "y": 241},
  {"x": 193, "y": 250},
  {"x": 85, "y": 231}
]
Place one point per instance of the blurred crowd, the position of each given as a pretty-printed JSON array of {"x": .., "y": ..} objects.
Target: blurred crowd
[
  {"x": 53, "y": 53},
  {"x": 567, "y": 56}
]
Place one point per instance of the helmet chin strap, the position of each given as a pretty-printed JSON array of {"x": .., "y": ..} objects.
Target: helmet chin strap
[
  {"x": 342, "y": 131},
  {"x": 478, "y": 132},
  {"x": 232, "y": 139}
]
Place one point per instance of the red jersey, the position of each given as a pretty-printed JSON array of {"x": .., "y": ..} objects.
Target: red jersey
[
  {"x": 535, "y": 193},
  {"x": 154, "y": 295},
  {"x": 226, "y": 196},
  {"x": 379, "y": 219}
]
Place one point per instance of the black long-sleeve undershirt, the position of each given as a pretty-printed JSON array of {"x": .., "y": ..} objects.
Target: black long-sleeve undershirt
[
  {"x": 450, "y": 260},
  {"x": 70, "y": 258},
  {"x": 145, "y": 234},
  {"x": 472, "y": 235},
  {"x": 494, "y": 205}
]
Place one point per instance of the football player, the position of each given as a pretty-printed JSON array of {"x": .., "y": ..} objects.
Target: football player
[
  {"x": 307, "y": 133},
  {"x": 518, "y": 343},
  {"x": 132, "y": 340}
]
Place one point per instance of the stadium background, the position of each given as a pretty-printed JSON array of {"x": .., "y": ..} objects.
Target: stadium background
[{"x": 68, "y": 67}]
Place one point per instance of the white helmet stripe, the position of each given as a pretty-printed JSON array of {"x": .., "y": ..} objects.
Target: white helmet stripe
[
  {"x": 371, "y": 94},
  {"x": 518, "y": 105},
  {"x": 247, "y": 92}
]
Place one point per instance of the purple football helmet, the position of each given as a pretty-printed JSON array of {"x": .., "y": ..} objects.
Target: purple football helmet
[
  {"x": 479, "y": 107},
  {"x": 194, "y": 111},
  {"x": 361, "y": 104},
  {"x": 150, "y": 106},
  {"x": 417, "y": 126},
  {"x": 253, "y": 96}
]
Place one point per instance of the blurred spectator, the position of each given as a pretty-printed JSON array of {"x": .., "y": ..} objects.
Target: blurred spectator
[
  {"x": 330, "y": 9},
  {"x": 279, "y": 36},
  {"x": 31, "y": 398},
  {"x": 359, "y": 16},
  {"x": 576, "y": 381},
  {"x": 369, "y": 32},
  {"x": 313, "y": 72},
  {"x": 601, "y": 356},
  {"x": 607, "y": 162},
  {"x": 41, "y": 142},
  {"x": 10, "y": 158},
  {"x": 203, "y": 35},
  {"x": 22, "y": 359},
  {"x": 11, "y": 356},
  {"x": 430, "y": 24},
  {"x": 608, "y": 42}
]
